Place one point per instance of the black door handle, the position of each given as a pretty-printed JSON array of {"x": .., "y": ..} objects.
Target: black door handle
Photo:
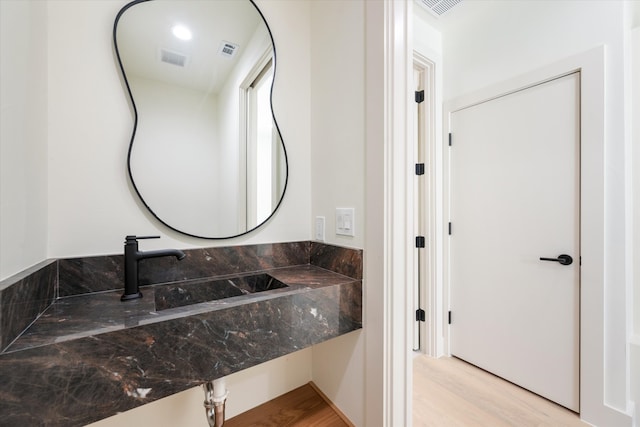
[{"x": 562, "y": 259}]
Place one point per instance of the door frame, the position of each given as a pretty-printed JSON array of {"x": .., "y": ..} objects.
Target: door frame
[
  {"x": 388, "y": 264},
  {"x": 426, "y": 224},
  {"x": 590, "y": 64}
]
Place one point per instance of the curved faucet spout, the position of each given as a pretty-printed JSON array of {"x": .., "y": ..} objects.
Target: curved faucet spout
[
  {"x": 162, "y": 252},
  {"x": 131, "y": 257}
]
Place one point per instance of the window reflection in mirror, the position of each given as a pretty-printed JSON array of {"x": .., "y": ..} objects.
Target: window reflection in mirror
[{"x": 264, "y": 156}]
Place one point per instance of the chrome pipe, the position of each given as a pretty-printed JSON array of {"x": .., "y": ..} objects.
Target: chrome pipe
[{"x": 214, "y": 404}]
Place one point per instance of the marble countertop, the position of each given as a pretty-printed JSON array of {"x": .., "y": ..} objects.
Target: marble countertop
[
  {"x": 84, "y": 315},
  {"x": 91, "y": 356}
]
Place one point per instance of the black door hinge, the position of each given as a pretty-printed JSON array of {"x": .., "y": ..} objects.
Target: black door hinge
[
  {"x": 421, "y": 316},
  {"x": 419, "y": 96},
  {"x": 420, "y": 242},
  {"x": 419, "y": 168},
  {"x": 449, "y": 229},
  {"x": 450, "y": 139},
  {"x": 449, "y": 317}
]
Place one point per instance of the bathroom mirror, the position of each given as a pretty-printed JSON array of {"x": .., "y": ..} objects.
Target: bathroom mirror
[{"x": 206, "y": 156}]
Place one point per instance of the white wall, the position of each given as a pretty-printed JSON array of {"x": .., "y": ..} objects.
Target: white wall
[
  {"x": 176, "y": 155},
  {"x": 23, "y": 135},
  {"x": 337, "y": 114},
  {"x": 337, "y": 173},
  {"x": 91, "y": 206},
  {"x": 427, "y": 35},
  {"x": 489, "y": 42},
  {"x": 247, "y": 389}
]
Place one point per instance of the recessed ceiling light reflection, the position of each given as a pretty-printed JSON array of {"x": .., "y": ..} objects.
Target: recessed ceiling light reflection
[{"x": 181, "y": 32}]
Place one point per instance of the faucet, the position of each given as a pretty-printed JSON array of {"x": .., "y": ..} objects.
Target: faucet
[{"x": 131, "y": 257}]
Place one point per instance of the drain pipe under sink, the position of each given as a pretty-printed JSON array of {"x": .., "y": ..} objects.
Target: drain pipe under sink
[{"x": 215, "y": 393}]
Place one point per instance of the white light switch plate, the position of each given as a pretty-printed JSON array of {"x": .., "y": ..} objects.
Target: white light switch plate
[
  {"x": 345, "y": 221},
  {"x": 320, "y": 228}
]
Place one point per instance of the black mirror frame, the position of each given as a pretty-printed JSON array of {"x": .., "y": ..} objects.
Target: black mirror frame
[{"x": 135, "y": 126}]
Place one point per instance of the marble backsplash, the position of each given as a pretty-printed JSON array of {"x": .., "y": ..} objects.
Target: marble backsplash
[
  {"x": 345, "y": 261},
  {"x": 103, "y": 273},
  {"x": 25, "y": 296}
]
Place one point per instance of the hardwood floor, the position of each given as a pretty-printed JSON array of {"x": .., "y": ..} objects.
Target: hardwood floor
[
  {"x": 303, "y": 406},
  {"x": 449, "y": 392}
]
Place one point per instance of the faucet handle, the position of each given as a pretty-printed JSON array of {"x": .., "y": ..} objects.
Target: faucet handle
[{"x": 135, "y": 238}]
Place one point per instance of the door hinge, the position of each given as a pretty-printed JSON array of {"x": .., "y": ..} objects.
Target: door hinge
[
  {"x": 419, "y": 168},
  {"x": 420, "y": 242},
  {"x": 421, "y": 316},
  {"x": 449, "y": 229},
  {"x": 449, "y": 317},
  {"x": 450, "y": 139},
  {"x": 419, "y": 96}
]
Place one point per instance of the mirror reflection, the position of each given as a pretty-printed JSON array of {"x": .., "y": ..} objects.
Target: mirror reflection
[{"x": 206, "y": 156}]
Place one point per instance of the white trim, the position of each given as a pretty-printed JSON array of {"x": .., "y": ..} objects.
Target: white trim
[
  {"x": 246, "y": 207},
  {"x": 254, "y": 72},
  {"x": 431, "y": 334},
  {"x": 388, "y": 230},
  {"x": 633, "y": 306},
  {"x": 374, "y": 309},
  {"x": 592, "y": 129},
  {"x": 399, "y": 180}
]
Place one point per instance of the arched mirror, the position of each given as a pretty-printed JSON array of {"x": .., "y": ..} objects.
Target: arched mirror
[{"x": 206, "y": 156}]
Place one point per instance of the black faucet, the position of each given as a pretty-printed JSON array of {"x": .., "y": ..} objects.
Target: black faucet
[{"x": 131, "y": 257}]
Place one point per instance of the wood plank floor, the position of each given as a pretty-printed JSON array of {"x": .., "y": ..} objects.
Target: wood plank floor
[
  {"x": 300, "y": 407},
  {"x": 448, "y": 392}
]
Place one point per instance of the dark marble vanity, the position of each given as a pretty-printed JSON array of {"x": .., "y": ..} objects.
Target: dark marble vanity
[{"x": 73, "y": 353}]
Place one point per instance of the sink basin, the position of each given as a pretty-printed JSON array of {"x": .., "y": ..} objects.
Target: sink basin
[{"x": 181, "y": 294}]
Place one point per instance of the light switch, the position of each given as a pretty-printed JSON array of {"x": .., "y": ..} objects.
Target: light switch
[
  {"x": 345, "y": 221},
  {"x": 320, "y": 228}
]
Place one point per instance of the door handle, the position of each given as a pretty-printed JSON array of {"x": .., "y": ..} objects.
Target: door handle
[{"x": 562, "y": 259}]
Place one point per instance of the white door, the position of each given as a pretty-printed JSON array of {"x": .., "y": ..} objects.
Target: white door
[{"x": 515, "y": 197}]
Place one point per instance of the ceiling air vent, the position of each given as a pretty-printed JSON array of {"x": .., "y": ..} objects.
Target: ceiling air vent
[
  {"x": 438, "y": 7},
  {"x": 228, "y": 49},
  {"x": 174, "y": 58}
]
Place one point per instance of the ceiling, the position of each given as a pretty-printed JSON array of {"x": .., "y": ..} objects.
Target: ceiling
[{"x": 146, "y": 28}]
